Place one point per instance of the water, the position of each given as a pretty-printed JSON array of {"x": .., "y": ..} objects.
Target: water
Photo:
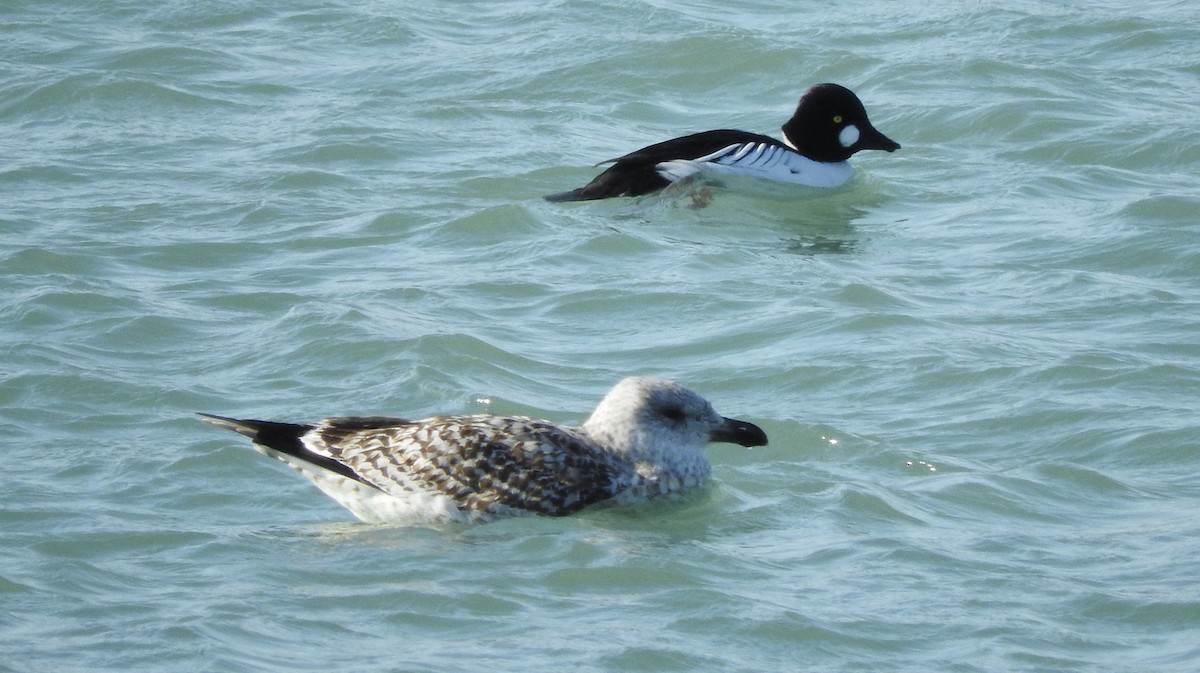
[{"x": 977, "y": 363}]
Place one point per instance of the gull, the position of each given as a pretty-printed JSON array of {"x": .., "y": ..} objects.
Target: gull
[{"x": 644, "y": 441}]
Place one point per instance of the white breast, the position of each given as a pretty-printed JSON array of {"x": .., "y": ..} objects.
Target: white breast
[{"x": 761, "y": 160}]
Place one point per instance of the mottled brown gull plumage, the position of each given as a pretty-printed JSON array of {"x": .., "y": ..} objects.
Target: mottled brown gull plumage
[{"x": 644, "y": 440}]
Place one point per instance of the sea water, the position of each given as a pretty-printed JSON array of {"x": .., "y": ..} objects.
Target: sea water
[{"x": 977, "y": 363}]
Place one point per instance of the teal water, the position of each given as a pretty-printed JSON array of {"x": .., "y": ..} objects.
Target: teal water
[{"x": 978, "y": 362}]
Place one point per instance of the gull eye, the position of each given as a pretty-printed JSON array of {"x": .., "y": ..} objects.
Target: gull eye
[
  {"x": 837, "y": 119},
  {"x": 672, "y": 413}
]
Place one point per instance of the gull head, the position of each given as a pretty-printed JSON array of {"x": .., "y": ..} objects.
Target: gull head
[{"x": 652, "y": 420}]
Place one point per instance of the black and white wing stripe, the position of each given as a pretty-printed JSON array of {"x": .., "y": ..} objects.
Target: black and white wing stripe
[
  {"x": 767, "y": 160},
  {"x": 642, "y": 171},
  {"x": 748, "y": 156}
]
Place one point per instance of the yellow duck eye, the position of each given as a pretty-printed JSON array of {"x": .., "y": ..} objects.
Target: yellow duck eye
[{"x": 837, "y": 119}]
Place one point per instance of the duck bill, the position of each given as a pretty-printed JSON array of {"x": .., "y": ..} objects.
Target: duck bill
[
  {"x": 872, "y": 139},
  {"x": 744, "y": 433}
]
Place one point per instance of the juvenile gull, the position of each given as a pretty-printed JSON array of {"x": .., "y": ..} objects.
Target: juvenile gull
[{"x": 644, "y": 440}]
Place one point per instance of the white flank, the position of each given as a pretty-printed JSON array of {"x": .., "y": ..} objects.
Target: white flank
[{"x": 761, "y": 160}]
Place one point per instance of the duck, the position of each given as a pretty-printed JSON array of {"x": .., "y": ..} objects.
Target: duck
[{"x": 829, "y": 126}]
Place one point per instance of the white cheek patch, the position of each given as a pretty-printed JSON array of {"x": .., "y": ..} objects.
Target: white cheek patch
[{"x": 848, "y": 136}]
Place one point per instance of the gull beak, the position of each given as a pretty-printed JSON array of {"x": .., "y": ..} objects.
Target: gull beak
[{"x": 734, "y": 431}]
